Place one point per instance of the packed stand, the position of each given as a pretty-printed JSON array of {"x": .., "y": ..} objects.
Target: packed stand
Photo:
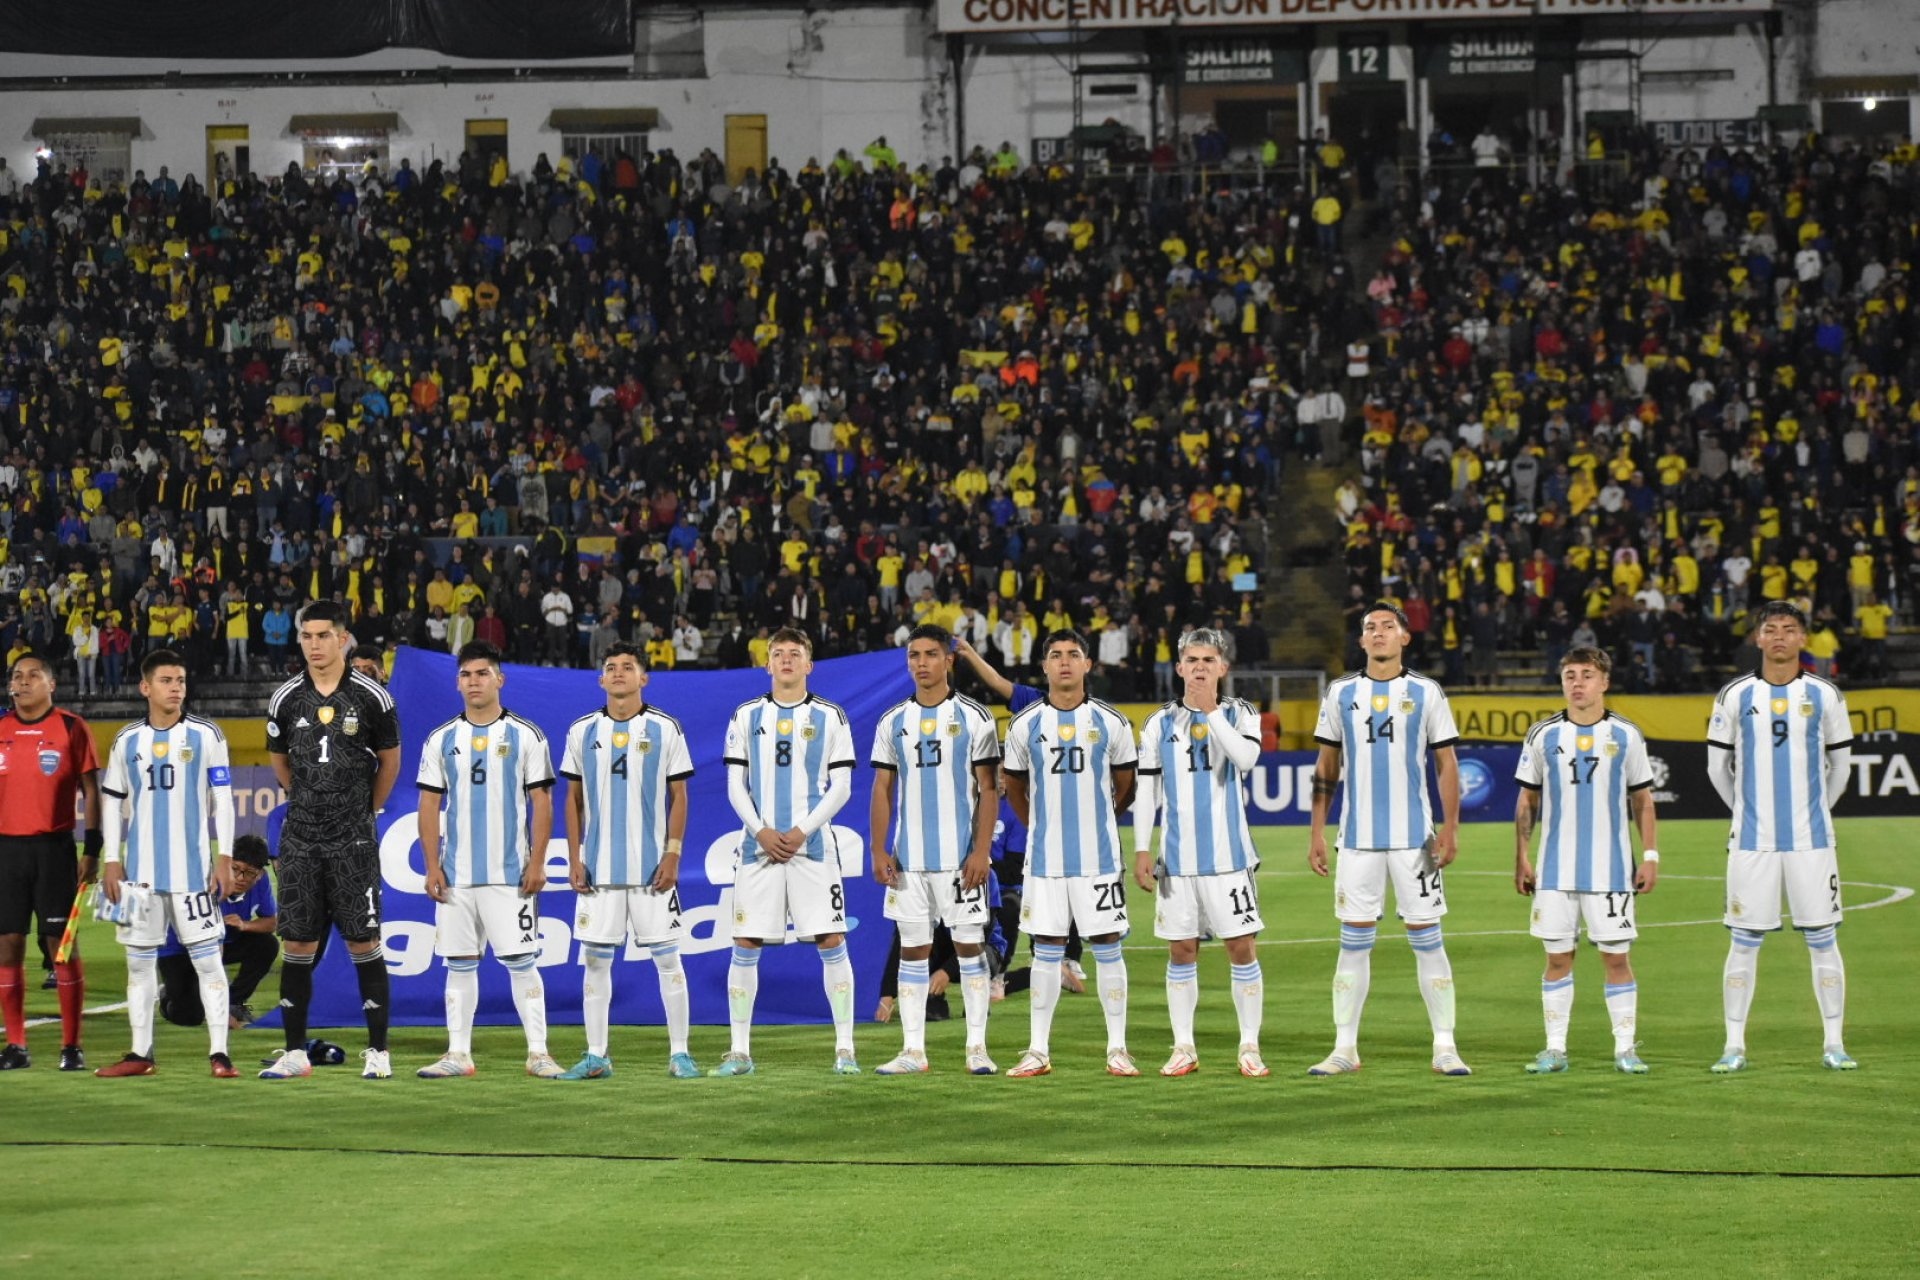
[
  {"x": 631, "y": 400},
  {"x": 1632, "y": 410}
]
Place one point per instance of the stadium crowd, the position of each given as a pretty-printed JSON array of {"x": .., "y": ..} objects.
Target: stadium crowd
[
  {"x": 632, "y": 400},
  {"x": 1631, "y": 408}
]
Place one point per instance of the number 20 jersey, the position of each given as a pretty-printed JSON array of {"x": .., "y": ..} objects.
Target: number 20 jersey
[
  {"x": 1068, "y": 759},
  {"x": 1384, "y": 729}
]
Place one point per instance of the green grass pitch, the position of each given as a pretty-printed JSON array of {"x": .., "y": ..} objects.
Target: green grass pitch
[{"x": 1788, "y": 1170}]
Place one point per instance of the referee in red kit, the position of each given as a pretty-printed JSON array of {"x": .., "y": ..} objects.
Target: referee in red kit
[{"x": 46, "y": 755}]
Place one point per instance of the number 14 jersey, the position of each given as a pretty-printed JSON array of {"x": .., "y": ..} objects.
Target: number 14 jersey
[{"x": 1384, "y": 730}]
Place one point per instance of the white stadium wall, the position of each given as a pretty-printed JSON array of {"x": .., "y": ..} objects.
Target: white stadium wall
[{"x": 830, "y": 78}]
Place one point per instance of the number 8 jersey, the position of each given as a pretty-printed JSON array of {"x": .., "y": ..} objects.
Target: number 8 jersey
[
  {"x": 1584, "y": 773},
  {"x": 1385, "y": 728},
  {"x": 1068, "y": 759}
]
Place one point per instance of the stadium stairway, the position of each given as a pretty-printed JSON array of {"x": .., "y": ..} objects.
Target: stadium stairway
[{"x": 1304, "y": 596}]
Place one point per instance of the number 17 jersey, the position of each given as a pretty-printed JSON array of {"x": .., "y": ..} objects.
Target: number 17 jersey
[{"x": 1584, "y": 774}]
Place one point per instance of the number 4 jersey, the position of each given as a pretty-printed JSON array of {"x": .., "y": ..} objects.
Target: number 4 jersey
[{"x": 1584, "y": 774}]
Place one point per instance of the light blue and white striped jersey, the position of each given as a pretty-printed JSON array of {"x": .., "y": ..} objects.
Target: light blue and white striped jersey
[
  {"x": 166, "y": 779},
  {"x": 485, "y": 771},
  {"x": 1200, "y": 789},
  {"x": 625, "y": 768},
  {"x": 1584, "y": 774},
  {"x": 1068, "y": 759},
  {"x": 789, "y": 753},
  {"x": 1780, "y": 735},
  {"x": 932, "y": 752},
  {"x": 1384, "y": 730}
]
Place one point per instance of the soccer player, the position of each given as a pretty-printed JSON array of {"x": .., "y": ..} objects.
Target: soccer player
[
  {"x": 491, "y": 769},
  {"x": 333, "y": 738},
  {"x": 627, "y": 767},
  {"x": 164, "y": 775},
  {"x": 1585, "y": 781},
  {"x": 1378, "y": 727},
  {"x": 789, "y": 770},
  {"x": 1069, "y": 764},
  {"x": 1779, "y": 747},
  {"x": 935, "y": 753},
  {"x": 251, "y": 916},
  {"x": 1194, "y": 755},
  {"x": 46, "y": 757}
]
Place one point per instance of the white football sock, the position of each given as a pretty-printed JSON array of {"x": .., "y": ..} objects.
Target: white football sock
[
  {"x": 913, "y": 1005},
  {"x": 1043, "y": 994},
  {"x": 1110, "y": 971},
  {"x": 1829, "y": 984},
  {"x": 1742, "y": 971},
  {"x": 596, "y": 995},
  {"x": 529, "y": 999},
  {"x": 1556, "y": 1003},
  {"x": 673, "y": 994},
  {"x": 1623, "y": 1011},
  {"x": 143, "y": 993},
  {"x": 213, "y": 993},
  {"x": 743, "y": 986},
  {"x": 836, "y": 975},
  {"x": 1436, "y": 981},
  {"x": 1249, "y": 994},
  {"x": 1183, "y": 997},
  {"x": 463, "y": 996},
  {"x": 1351, "y": 978},
  {"x": 977, "y": 993}
]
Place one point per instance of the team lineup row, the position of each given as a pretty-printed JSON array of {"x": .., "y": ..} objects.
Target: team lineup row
[{"x": 1069, "y": 765}]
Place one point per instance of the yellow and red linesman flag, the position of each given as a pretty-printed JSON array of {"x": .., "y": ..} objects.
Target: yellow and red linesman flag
[{"x": 73, "y": 924}]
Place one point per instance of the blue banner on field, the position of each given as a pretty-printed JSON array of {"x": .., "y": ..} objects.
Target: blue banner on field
[
  {"x": 790, "y": 989},
  {"x": 1280, "y": 793}
]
